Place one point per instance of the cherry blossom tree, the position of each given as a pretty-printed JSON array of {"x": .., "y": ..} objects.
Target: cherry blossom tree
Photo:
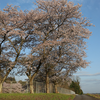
[
  {"x": 63, "y": 25},
  {"x": 53, "y": 24},
  {"x": 54, "y": 74},
  {"x": 15, "y": 31},
  {"x": 13, "y": 88}
]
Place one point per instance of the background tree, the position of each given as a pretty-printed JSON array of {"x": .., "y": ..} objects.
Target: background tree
[
  {"x": 66, "y": 84},
  {"x": 23, "y": 83},
  {"x": 75, "y": 86},
  {"x": 13, "y": 88},
  {"x": 10, "y": 79}
]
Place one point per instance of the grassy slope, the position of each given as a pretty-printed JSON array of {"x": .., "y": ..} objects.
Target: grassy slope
[
  {"x": 94, "y": 95},
  {"x": 38, "y": 96}
]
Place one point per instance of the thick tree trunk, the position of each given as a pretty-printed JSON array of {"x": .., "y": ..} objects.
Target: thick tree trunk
[
  {"x": 47, "y": 83},
  {"x": 32, "y": 77},
  {"x": 56, "y": 88},
  {"x": 0, "y": 87},
  {"x": 31, "y": 87}
]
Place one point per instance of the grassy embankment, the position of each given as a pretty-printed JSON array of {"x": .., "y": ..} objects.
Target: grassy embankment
[
  {"x": 36, "y": 96},
  {"x": 94, "y": 95}
]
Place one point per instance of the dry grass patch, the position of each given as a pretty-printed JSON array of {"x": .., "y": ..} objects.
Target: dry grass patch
[{"x": 94, "y": 95}]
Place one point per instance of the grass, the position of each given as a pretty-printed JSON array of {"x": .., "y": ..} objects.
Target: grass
[
  {"x": 94, "y": 95},
  {"x": 36, "y": 96}
]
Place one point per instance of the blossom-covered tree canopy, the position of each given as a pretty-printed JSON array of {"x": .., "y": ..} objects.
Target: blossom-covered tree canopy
[{"x": 55, "y": 32}]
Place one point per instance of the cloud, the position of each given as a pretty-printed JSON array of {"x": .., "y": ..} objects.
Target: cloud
[
  {"x": 96, "y": 74},
  {"x": 92, "y": 80},
  {"x": 89, "y": 82},
  {"x": 86, "y": 74},
  {"x": 81, "y": 72}
]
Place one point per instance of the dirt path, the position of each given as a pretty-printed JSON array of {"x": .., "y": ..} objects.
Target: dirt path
[{"x": 84, "y": 97}]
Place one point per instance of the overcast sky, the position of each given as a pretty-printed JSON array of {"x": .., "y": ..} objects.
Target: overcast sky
[{"x": 90, "y": 76}]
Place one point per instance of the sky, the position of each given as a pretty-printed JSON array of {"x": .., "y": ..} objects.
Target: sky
[{"x": 90, "y": 76}]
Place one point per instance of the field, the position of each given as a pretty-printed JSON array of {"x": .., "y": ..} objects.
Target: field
[
  {"x": 94, "y": 95},
  {"x": 36, "y": 96}
]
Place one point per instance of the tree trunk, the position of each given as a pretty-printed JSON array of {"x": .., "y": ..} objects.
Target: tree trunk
[
  {"x": 0, "y": 87},
  {"x": 56, "y": 88},
  {"x": 31, "y": 87},
  {"x": 0, "y": 49},
  {"x": 47, "y": 83}
]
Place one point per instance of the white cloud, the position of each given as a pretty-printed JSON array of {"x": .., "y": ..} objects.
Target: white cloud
[
  {"x": 96, "y": 74},
  {"x": 91, "y": 86},
  {"x": 91, "y": 80},
  {"x": 86, "y": 74}
]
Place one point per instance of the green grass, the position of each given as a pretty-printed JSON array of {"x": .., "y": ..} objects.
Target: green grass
[
  {"x": 94, "y": 95},
  {"x": 36, "y": 96}
]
